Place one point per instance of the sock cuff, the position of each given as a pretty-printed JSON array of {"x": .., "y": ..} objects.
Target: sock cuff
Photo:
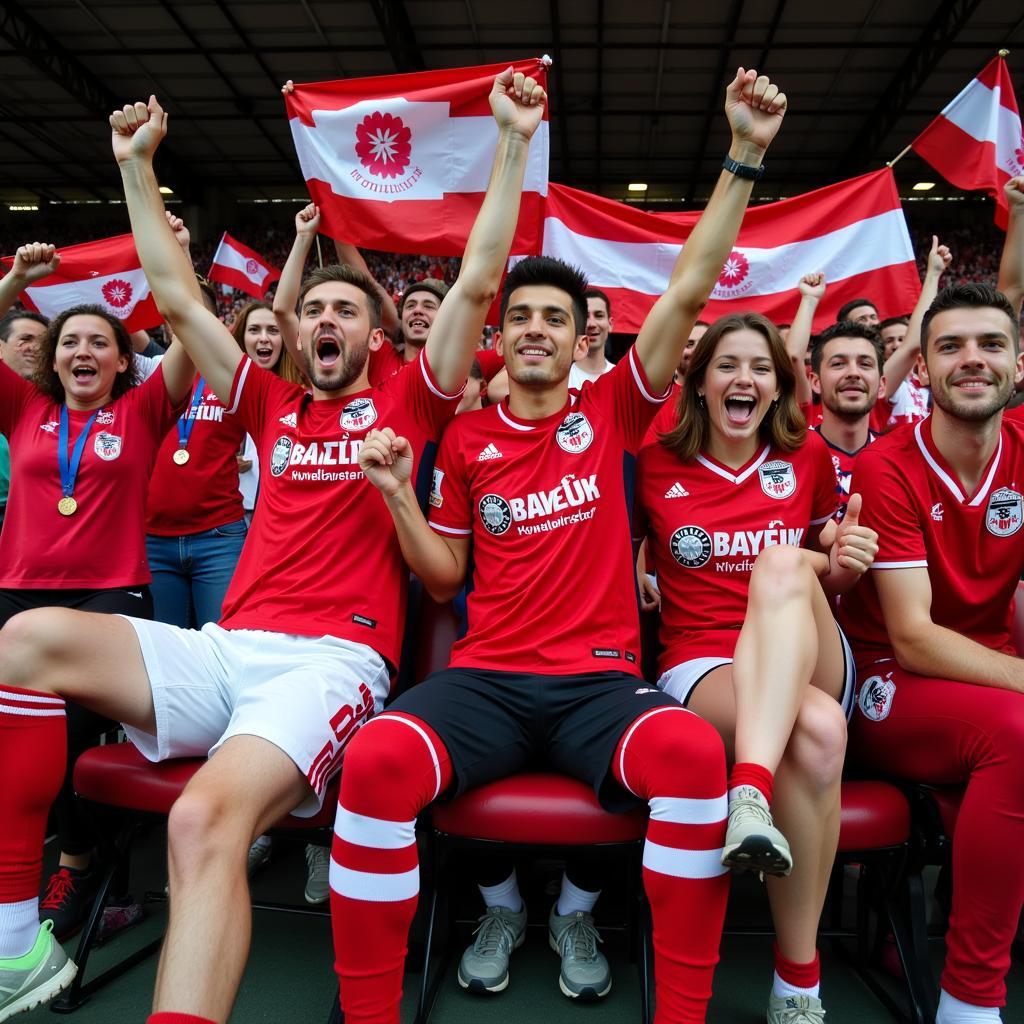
[
  {"x": 32, "y": 703},
  {"x": 795, "y": 974},
  {"x": 169, "y": 1017},
  {"x": 747, "y": 773}
]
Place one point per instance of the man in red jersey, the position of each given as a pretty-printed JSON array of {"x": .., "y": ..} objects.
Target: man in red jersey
[
  {"x": 941, "y": 696},
  {"x": 535, "y": 488},
  {"x": 312, "y": 622},
  {"x": 846, "y": 361}
]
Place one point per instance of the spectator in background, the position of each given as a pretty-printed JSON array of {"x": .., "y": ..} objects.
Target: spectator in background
[
  {"x": 860, "y": 311},
  {"x": 593, "y": 363},
  {"x": 893, "y": 330}
]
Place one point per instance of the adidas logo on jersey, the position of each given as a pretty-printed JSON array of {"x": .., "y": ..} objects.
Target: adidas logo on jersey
[
  {"x": 50, "y": 428},
  {"x": 290, "y": 420},
  {"x": 490, "y": 452},
  {"x": 677, "y": 490}
]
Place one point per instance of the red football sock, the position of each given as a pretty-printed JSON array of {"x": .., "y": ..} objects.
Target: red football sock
[
  {"x": 746, "y": 773},
  {"x": 33, "y": 754},
  {"x": 798, "y": 975},
  {"x": 685, "y": 882},
  {"x": 169, "y": 1017},
  {"x": 394, "y": 767}
]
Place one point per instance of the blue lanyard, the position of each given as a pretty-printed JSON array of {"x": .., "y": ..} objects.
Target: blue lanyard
[
  {"x": 187, "y": 420},
  {"x": 69, "y": 472}
]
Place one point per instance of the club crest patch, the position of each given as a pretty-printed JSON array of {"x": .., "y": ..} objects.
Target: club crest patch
[
  {"x": 1004, "y": 513},
  {"x": 574, "y": 433},
  {"x": 280, "y": 456},
  {"x": 107, "y": 446},
  {"x": 777, "y": 478},
  {"x": 690, "y": 546},
  {"x": 875, "y": 698},
  {"x": 436, "y": 498},
  {"x": 495, "y": 514},
  {"x": 359, "y": 414}
]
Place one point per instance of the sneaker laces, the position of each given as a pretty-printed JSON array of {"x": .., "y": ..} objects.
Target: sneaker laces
[
  {"x": 60, "y": 888},
  {"x": 493, "y": 929},
  {"x": 316, "y": 857},
  {"x": 749, "y": 806},
  {"x": 798, "y": 1011},
  {"x": 580, "y": 938}
]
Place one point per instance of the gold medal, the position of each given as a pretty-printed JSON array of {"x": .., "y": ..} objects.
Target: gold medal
[
  {"x": 67, "y": 506},
  {"x": 180, "y": 457}
]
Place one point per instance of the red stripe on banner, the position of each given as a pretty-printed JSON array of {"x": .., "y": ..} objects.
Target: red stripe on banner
[
  {"x": 893, "y": 289},
  {"x": 92, "y": 259},
  {"x": 964, "y": 161},
  {"x": 236, "y": 279},
  {"x": 252, "y": 254},
  {"x": 423, "y": 227},
  {"x": 465, "y": 89}
]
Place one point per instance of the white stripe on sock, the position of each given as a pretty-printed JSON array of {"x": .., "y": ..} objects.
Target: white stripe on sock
[
  {"x": 667, "y": 860},
  {"x": 376, "y": 833},
  {"x": 683, "y": 810},
  {"x": 372, "y": 886}
]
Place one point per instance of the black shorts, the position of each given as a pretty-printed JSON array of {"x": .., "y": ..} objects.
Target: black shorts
[
  {"x": 495, "y": 724},
  {"x": 136, "y": 601}
]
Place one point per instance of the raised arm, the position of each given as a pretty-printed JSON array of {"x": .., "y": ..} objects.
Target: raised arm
[
  {"x": 352, "y": 257},
  {"x": 136, "y": 132},
  {"x": 32, "y": 262},
  {"x": 755, "y": 108},
  {"x": 286, "y": 297},
  {"x": 812, "y": 290},
  {"x": 518, "y": 106},
  {"x": 900, "y": 363},
  {"x": 1011, "y": 266}
]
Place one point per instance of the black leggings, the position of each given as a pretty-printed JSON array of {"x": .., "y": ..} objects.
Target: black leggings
[{"x": 74, "y": 827}]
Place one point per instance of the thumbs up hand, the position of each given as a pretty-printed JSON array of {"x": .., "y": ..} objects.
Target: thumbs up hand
[{"x": 855, "y": 546}]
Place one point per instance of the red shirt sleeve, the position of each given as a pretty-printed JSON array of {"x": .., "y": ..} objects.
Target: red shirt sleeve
[
  {"x": 824, "y": 503},
  {"x": 627, "y": 399},
  {"x": 491, "y": 362},
  {"x": 422, "y": 398},
  {"x": 253, "y": 391},
  {"x": 450, "y": 511},
  {"x": 890, "y": 510},
  {"x": 15, "y": 394}
]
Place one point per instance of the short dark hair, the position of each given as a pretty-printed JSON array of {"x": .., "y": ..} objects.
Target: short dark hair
[
  {"x": 596, "y": 293},
  {"x": 547, "y": 270},
  {"x": 846, "y": 309},
  {"x": 970, "y": 296},
  {"x": 7, "y": 322},
  {"x": 348, "y": 275},
  {"x": 846, "y": 329},
  {"x": 892, "y": 321},
  {"x": 45, "y": 378}
]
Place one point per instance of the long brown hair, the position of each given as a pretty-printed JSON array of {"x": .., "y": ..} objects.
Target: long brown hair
[
  {"x": 783, "y": 426},
  {"x": 285, "y": 366}
]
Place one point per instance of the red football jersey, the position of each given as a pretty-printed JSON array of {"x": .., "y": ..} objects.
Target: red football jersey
[
  {"x": 842, "y": 462},
  {"x": 103, "y": 544},
  {"x": 971, "y": 544},
  {"x": 705, "y": 524},
  {"x": 545, "y": 502},
  {"x": 322, "y": 556},
  {"x": 203, "y": 493},
  {"x": 383, "y": 363},
  {"x": 666, "y": 417}
]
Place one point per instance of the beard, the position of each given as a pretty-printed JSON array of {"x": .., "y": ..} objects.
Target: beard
[
  {"x": 973, "y": 412},
  {"x": 345, "y": 372},
  {"x": 849, "y": 410}
]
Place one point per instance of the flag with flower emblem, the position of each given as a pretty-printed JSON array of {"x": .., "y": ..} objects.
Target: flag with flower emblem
[
  {"x": 106, "y": 273},
  {"x": 238, "y": 266},
  {"x": 401, "y": 162},
  {"x": 854, "y": 232}
]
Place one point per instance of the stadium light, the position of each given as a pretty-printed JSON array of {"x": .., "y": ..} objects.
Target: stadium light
[
  {"x": 924, "y": 186},
  {"x": 22, "y": 207},
  {"x": 637, "y": 186},
  {"x": 166, "y": 190}
]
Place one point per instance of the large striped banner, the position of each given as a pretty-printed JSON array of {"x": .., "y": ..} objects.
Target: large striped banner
[
  {"x": 976, "y": 142},
  {"x": 853, "y": 232},
  {"x": 401, "y": 162}
]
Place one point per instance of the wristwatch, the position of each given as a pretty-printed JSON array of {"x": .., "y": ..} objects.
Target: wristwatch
[{"x": 742, "y": 170}]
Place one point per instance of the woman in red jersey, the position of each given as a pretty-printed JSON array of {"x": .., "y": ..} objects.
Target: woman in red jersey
[
  {"x": 738, "y": 499},
  {"x": 83, "y": 438}
]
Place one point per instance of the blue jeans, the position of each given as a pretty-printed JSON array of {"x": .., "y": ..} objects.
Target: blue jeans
[{"x": 191, "y": 573}]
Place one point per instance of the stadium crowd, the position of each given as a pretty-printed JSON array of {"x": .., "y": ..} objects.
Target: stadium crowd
[{"x": 207, "y": 542}]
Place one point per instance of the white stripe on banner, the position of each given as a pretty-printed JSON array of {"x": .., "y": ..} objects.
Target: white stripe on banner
[
  {"x": 645, "y": 267},
  {"x": 118, "y": 293},
  {"x": 227, "y": 256},
  {"x": 373, "y": 887},
  {"x": 442, "y": 153},
  {"x": 688, "y": 810},
  {"x": 977, "y": 112},
  {"x": 376, "y": 833},
  {"x": 666, "y": 860}
]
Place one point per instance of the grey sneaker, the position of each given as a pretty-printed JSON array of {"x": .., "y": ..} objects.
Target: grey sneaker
[
  {"x": 318, "y": 867},
  {"x": 795, "y": 1010},
  {"x": 752, "y": 842},
  {"x": 35, "y": 978},
  {"x": 484, "y": 965},
  {"x": 585, "y": 972},
  {"x": 259, "y": 855}
]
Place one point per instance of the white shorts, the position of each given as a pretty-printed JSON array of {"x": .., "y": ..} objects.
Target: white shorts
[
  {"x": 681, "y": 680},
  {"x": 306, "y": 695}
]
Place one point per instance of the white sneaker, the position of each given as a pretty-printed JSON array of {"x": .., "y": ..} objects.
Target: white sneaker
[{"x": 752, "y": 842}]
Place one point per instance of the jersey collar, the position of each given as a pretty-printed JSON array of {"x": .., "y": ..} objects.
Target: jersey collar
[
  {"x": 944, "y": 472},
  {"x": 511, "y": 420},
  {"x": 727, "y": 474}
]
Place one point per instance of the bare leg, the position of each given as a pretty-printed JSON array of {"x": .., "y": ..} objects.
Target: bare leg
[{"x": 237, "y": 795}]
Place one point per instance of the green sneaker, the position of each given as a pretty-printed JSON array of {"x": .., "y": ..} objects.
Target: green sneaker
[
  {"x": 752, "y": 842},
  {"x": 795, "y": 1010},
  {"x": 35, "y": 978},
  {"x": 585, "y": 973},
  {"x": 484, "y": 965}
]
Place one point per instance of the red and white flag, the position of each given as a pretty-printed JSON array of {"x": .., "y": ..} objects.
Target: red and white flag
[
  {"x": 240, "y": 267},
  {"x": 401, "y": 162},
  {"x": 853, "y": 232},
  {"x": 105, "y": 273},
  {"x": 976, "y": 142}
]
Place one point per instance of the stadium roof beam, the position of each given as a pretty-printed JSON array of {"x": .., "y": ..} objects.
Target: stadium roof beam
[
  {"x": 773, "y": 27},
  {"x": 31, "y": 41},
  {"x": 399, "y": 36},
  {"x": 563, "y": 127},
  {"x": 319, "y": 30},
  {"x": 945, "y": 24},
  {"x": 599, "y": 103}
]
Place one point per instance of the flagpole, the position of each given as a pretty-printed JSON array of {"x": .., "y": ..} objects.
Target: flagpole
[
  {"x": 319, "y": 252},
  {"x": 903, "y": 153}
]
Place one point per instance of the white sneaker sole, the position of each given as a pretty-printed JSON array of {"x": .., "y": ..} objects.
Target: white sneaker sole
[{"x": 43, "y": 993}]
